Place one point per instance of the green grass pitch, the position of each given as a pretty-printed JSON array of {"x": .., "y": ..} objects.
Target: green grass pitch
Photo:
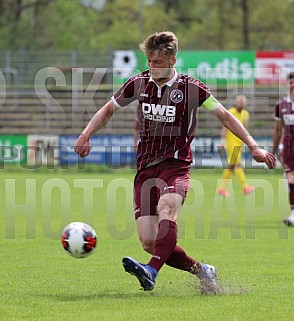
[{"x": 242, "y": 236}]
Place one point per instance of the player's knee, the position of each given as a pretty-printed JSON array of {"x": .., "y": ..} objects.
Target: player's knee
[
  {"x": 147, "y": 245},
  {"x": 290, "y": 178}
]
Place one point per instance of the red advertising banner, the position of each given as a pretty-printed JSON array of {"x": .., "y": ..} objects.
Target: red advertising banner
[{"x": 272, "y": 67}]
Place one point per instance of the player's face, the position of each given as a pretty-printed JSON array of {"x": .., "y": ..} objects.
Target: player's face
[
  {"x": 240, "y": 104},
  {"x": 160, "y": 66}
]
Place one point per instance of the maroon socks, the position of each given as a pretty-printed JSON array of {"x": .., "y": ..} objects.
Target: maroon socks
[
  {"x": 165, "y": 243},
  {"x": 166, "y": 251},
  {"x": 291, "y": 196}
]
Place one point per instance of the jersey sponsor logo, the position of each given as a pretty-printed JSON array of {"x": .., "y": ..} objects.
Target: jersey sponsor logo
[
  {"x": 288, "y": 119},
  {"x": 160, "y": 113},
  {"x": 143, "y": 95},
  {"x": 176, "y": 96}
]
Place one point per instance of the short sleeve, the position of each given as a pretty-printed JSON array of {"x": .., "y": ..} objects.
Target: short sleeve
[{"x": 126, "y": 94}]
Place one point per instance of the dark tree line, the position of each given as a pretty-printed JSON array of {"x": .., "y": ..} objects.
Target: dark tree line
[{"x": 121, "y": 24}]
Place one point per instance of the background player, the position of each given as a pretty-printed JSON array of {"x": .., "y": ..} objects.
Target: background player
[
  {"x": 233, "y": 146},
  {"x": 168, "y": 103},
  {"x": 284, "y": 127}
]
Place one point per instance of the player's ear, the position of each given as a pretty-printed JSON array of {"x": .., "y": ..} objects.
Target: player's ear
[{"x": 173, "y": 60}]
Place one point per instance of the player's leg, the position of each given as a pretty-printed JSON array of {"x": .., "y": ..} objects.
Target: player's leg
[
  {"x": 226, "y": 176},
  {"x": 240, "y": 174},
  {"x": 147, "y": 227},
  {"x": 169, "y": 206},
  {"x": 290, "y": 177},
  {"x": 160, "y": 239},
  {"x": 173, "y": 183},
  {"x": 232, "y": 152},
  {"x": 145, "y": 203},
  {"x": 167, "y": 251},
  {"x": 173, "y": 191},
  {"x": 158, "y": 236},
  {"x": 146, "y": 198}
]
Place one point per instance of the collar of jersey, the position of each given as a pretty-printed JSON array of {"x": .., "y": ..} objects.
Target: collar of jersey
[{"x": 169, "y": 83}]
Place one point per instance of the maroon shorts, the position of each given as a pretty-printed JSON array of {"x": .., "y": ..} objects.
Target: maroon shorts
[
  {"x": 289, "y": 165},
  {"x": 288, "y": 155},
  {"x": 169, "y": 176}
]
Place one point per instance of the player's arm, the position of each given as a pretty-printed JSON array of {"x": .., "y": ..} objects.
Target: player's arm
[
  {"x": 98, "y": 121},
  {"x": 276, "y": 135},
  {"x": 237, "y": 128},
  {"x": 278, "y": 139}
]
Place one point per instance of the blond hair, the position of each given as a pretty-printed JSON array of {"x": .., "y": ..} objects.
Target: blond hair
[{"x": 165, "y": 41}]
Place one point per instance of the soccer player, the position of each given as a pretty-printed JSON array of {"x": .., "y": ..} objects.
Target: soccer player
[
  {"x": 167, "y": 103},
  {"x": 233, "y": 146},
  {"x": 284, "y": 127}
]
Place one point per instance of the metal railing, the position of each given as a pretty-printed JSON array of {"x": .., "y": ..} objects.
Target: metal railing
[{"x": 19, "y": 67}]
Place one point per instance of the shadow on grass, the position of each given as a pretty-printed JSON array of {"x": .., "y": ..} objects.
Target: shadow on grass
[
  {"x": 63, "y": 297},
  {"x": 189, "y": 288}
]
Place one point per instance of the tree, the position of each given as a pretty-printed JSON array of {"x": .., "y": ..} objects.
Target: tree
[
  {"x": 122, "y": 24},
  {"x": 245, "y": 27}
]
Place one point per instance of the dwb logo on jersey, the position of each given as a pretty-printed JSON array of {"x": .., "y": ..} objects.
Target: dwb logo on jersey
[{"x": 161, "y": 113}]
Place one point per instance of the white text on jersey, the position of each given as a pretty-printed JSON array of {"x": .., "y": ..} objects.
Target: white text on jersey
[{"x": 161, "y": 113}]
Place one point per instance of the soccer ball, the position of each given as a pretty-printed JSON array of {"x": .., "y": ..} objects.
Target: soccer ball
[{"x": 79, "y": 239}]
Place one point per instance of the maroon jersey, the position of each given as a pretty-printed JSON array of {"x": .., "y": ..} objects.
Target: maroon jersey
[
  {"x": 166, "y": 115},
  {"x": 285, "y": 112}
]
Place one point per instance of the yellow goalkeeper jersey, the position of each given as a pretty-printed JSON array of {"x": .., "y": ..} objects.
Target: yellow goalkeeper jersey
[{"x": 243, "y": 116}]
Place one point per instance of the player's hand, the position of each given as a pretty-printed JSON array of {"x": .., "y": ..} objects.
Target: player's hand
[
  {"x": 263, "y": 156},
  {"x": 82, "y": 146}
]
